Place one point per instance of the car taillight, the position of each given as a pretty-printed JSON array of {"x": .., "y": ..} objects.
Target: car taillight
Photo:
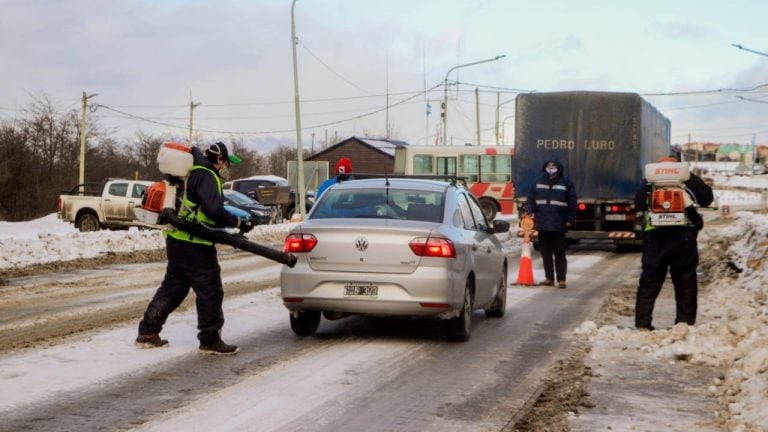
[
  {"x": 433, "y": 247},
  {"x": 295, "y": 243}
]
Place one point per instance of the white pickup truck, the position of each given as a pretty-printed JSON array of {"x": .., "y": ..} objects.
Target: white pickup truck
[{"x": 110, "y": 207}]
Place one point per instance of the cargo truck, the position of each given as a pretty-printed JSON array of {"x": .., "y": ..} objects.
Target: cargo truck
[{"x": 604, "y": 140}]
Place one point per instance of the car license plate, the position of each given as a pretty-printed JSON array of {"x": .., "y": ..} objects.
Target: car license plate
[
  {"x": 666, "y": 219},
  {"x": 354, "y": 289},
  {"x": 616, "y": 217}
]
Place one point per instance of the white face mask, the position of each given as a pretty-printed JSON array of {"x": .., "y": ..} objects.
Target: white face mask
[
  {"x": 224, "y": 173},
  {"x": 551, "y": 170}
]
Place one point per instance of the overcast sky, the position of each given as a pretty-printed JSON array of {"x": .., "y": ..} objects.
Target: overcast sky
[{"x": 143, "y": 58}]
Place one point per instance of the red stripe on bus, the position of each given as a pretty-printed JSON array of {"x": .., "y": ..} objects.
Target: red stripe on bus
[{"x": 479, "y": 189}]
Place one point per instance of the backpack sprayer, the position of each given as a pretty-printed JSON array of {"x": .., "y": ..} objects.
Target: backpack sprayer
[
  {"x": 162, "y": 199},
  {"x": 670, "y": 203}
]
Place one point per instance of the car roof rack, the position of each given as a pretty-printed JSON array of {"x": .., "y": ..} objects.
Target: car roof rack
[{"x": 453, "y": 180}]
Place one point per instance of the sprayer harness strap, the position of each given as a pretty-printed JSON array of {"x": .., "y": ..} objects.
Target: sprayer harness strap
[{"x": 191, "y": 211}]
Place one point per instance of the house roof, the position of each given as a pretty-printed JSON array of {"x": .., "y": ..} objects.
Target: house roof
[{"x": 386, "y": 146}]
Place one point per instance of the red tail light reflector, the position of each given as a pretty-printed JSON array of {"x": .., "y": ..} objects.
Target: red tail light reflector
[
  {"x": 435, "y": 305},
  {"x": 297, "y": 243},
  {"x": 293, "y": 300},
  {"x": 581, "y": 206},
  {"x": 433, "y": 247}
]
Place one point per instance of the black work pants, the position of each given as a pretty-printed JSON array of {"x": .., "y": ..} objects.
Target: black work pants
[
  {"x": 676, "y": 250},
  {"x": 552, "y": 246},
  {"x": 189, "y": 265}
]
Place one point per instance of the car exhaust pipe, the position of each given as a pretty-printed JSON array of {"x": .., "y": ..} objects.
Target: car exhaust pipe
[{"x": 226, "y": 238}]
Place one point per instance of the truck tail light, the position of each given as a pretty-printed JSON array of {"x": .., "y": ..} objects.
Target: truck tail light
[
  {"x": 433, "y": 247},
  {"x": 581, "y": 206},
  {"x": 296, "y": 243}
]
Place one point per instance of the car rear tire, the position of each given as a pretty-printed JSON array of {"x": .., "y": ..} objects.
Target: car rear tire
[
  {"x": 88, "y": 223},
  {"x": 499, "y": 305},
  {"x": 459, "y": 328},
  {"x": 305, "y": 323}
]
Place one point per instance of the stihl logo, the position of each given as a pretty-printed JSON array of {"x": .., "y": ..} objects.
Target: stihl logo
[
  {"x": 667, "y": 171},
  {"x": 663, "y": 216}
]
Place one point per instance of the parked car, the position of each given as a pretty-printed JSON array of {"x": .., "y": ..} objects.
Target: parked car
[
  {"x": 108, "y": 205},
  {"x": 259, "y": 214},
  {"x": 270, "y": 190},
  {"x": 395, "y": 247}
]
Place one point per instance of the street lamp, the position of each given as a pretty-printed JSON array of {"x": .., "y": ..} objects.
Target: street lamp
[
  {"x": 445, "y": 90},
  {"x": 299, "y": 146},
  {"x": 504, "y": 128},
  {"x": 747, "y": 49}
]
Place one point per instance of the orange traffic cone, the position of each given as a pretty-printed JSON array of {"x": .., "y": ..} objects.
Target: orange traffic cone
[{"x": 525, "y": 270}]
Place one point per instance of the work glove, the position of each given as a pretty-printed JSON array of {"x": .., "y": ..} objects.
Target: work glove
[{"x": 245, "y": 225}]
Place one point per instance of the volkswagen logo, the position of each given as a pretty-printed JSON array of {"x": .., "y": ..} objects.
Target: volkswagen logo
[{"x": 361, "y": 244}]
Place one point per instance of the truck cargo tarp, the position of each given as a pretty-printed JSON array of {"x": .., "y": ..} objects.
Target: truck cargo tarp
[{"x": 603, "y": 140}]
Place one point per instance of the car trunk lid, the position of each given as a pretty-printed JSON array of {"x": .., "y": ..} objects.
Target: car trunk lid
[{"x": 379, "y": 246}]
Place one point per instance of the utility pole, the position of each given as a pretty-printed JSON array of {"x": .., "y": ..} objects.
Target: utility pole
[
  {"x": 387, "y": 101},
  {"x": 83, "y": 131},
  {"x": 192, "y": 107},
  {"x": 498, "y": 105},
  {"x": 477, "y": 113},
  {"x": 299, "y": 147}
]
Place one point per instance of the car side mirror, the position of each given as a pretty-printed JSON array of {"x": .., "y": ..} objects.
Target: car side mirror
[{"x": 499, "y": 226}]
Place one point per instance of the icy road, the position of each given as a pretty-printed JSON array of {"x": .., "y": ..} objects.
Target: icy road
[{"x": 355, "y": 374}]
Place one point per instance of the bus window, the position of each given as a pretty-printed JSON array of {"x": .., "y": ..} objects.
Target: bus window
[
  {"x": 446, "y": 166},
  {"x": 422, "y": 164},
  {"x": 469, "y": 168},
  {"x": 496, "y": 168}
]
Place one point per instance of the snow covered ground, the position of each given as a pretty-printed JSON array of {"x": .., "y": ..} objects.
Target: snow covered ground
[
  {"x": 732, "y": 331},
  {"x": 50, "y": 239}
]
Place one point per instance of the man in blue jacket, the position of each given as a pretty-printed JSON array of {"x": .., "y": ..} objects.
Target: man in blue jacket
[{"x": 552, "y": 202}]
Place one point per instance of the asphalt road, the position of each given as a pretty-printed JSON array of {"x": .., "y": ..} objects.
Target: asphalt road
[{"x": 355, "y": 374}]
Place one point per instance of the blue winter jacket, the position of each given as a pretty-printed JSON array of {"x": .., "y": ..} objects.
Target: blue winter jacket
[{"x": 552, "y": 201}]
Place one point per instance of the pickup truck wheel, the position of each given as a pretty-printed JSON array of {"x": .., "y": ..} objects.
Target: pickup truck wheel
[{"x": 88, "y": 223}]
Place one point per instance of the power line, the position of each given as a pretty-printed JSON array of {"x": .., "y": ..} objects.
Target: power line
[
  {"x": 333, "y": 71},
  {"x": 136, "y": 117}
]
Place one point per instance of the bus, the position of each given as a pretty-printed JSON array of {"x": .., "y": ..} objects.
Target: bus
[{"x": 487, "y": 170}]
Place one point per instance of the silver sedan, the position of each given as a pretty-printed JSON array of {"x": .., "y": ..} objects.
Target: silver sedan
[{"x": 394, "y": 246}]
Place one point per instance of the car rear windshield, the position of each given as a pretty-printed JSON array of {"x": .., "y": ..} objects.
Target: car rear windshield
[{"x": 405, "y": 204}]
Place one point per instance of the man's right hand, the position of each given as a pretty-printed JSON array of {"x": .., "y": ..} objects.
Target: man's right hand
[{"x": 245, "y": 225}]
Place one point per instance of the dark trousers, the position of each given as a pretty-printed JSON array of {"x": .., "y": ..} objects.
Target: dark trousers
[
  {"x": 195, "y": 266},
  {"x": 552, "y": 246},
  {"x": 675, "y": 249}
]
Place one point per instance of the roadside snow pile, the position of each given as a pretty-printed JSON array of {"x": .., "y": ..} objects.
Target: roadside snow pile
[
  {"x": 732, "y": 327},
  {"x": 49, "y": 239}
]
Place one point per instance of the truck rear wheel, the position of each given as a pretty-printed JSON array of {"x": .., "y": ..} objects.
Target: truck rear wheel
[{"x": 88, "y": 223}]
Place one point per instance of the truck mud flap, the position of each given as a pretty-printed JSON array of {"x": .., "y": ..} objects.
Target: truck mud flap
[{"x": 234, "y": 240}]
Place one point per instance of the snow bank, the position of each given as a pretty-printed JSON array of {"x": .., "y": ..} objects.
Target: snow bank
[
  {"x": 49, "y": 239},
  {"x": 732, "y": 329}
]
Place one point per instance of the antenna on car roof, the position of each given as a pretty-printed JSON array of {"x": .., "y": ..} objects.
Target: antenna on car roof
[{"x": 386, "y": 183}]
